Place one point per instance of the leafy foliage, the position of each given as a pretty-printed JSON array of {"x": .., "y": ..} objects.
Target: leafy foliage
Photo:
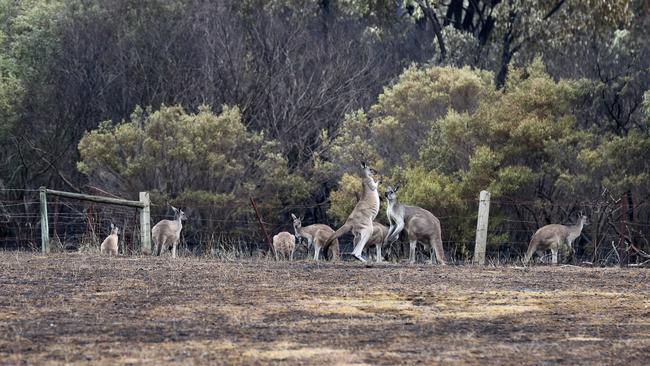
[{"x": 170, "y": 150}]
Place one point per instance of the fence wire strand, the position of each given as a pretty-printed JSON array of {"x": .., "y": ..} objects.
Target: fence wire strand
[{"x": 79, "y": 224}]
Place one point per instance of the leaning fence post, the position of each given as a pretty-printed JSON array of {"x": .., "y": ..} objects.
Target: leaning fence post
[
  {"x": 145, "y": 224},
  {"x": 482, "y": 227},
  {"x": 45, "y": 229},
  {"x": 264, "y": 232}
]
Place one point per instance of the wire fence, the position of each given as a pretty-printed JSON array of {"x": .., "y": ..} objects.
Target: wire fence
[{"x": 615, "y": 235}]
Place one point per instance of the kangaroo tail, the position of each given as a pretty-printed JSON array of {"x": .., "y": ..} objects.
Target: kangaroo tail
[
  {"x": 342, "y": 230},
  {"x": 436, "y": 243},
  {"x": 532, "y": 247},
  {"x": 333, "y": 252}
]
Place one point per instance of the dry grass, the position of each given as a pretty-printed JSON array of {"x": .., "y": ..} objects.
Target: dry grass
[{"x": 87, "y": 309}]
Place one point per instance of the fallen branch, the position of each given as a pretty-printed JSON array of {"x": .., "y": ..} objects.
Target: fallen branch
[
  {"x": 642, "y": 264},
  {"x": 639, "y": 251}
]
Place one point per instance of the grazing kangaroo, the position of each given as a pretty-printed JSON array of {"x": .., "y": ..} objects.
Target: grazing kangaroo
[
  {"x": 315, "y": 235},
  {"x": 284, "y": 243},
  {"x": 167, "y": 233},
  {"x": 109, "y": 245},
  {"x": 360, "y": 220},
  {"x": 420, "y": 225},
  {"x": 379, "y": 232},
  {"x": 555, "y": 237}
]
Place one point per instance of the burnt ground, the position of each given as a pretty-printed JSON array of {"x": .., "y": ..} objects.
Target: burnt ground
[{"x": 87, "y": 309}]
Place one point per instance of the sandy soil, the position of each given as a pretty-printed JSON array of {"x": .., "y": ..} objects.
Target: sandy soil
[{"x": 87, "y": 309}]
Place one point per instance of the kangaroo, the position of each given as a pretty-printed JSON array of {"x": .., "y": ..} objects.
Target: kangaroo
[
  {"x": 420, "y": 225},
  {"x": 379, "y": 232},
  {"x": 109, "y": 245},
  {"x": 360, "y": 219},
  {"x": 555, "y": 237},
  {"x": 285, "y": 244},
  {"x": 315, "y": 235},
  {"x": 167, "y": 233}
]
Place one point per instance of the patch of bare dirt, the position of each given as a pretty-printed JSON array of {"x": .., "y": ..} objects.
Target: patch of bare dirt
[{"x": 87, "y": 309}]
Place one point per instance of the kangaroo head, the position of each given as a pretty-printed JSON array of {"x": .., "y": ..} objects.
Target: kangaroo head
[
  {"x": 114, "y": 229},
  {"x": 391, "y": 193},
  {"x": 368, "y": 172},
  {"x": 179, "y": 214},
  {"x": 369, "y": 179},
  {"x": 582, "y": 218},
  {"x": 297, "y": 222}
]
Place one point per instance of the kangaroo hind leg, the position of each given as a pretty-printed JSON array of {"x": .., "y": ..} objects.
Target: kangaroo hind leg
[
  {"x": 363, "y": 237},
  {"x": 554, "y": 255}
]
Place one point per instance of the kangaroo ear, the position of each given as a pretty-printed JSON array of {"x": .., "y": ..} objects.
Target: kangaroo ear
[
  {"x": 175, "y": 209},
  {"x": 112, "y": 226},
  {"x": 293, "y": 216},
  {"x": 363, "y": 165},
  {"x": 398, "y": 186}
]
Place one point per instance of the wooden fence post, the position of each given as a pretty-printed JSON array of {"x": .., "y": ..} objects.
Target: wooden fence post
[
  {"x": 264, "y": 232},
  {"x": 45, "y": 229},
  {"x": 145, "y": 224},
  {"x": 623, "y": 258},
  {"x": 482, "y": 227}
]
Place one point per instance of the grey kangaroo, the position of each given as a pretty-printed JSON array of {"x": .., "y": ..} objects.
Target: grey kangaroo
[
  {"x": 556, "y": 238},
  {"x": 420, "y": 225},
  {"x": 361, "y": 217}
]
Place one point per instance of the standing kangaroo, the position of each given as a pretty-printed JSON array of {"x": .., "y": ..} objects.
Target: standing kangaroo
[
  {"x": 316, "y": 235},
  {"x": 379, "y": 232},
  {"x": 109, "y": 245},
  {"x": 167, "y": 233},
  {"x": 420, "y": 225},
  {"x": 360, "y": 220},
  {"x": 284, "y": 244},
  {"x": 555, "y": 237}
]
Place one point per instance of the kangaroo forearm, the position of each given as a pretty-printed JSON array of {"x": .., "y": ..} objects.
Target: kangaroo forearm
[
  {"x": 386, "y": 240},
  {"x": 389, "y": 235},
  {"x": 398, "y": 229}
]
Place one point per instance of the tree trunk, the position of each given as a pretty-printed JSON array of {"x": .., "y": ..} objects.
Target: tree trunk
[
  {"x": 508, "y": 50},
  {"x": 468, "y": 21},
  {"x": 506, "y": 56},
  {"x": 455, "y": 13},
  {"x": 435, "y": 24}
]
